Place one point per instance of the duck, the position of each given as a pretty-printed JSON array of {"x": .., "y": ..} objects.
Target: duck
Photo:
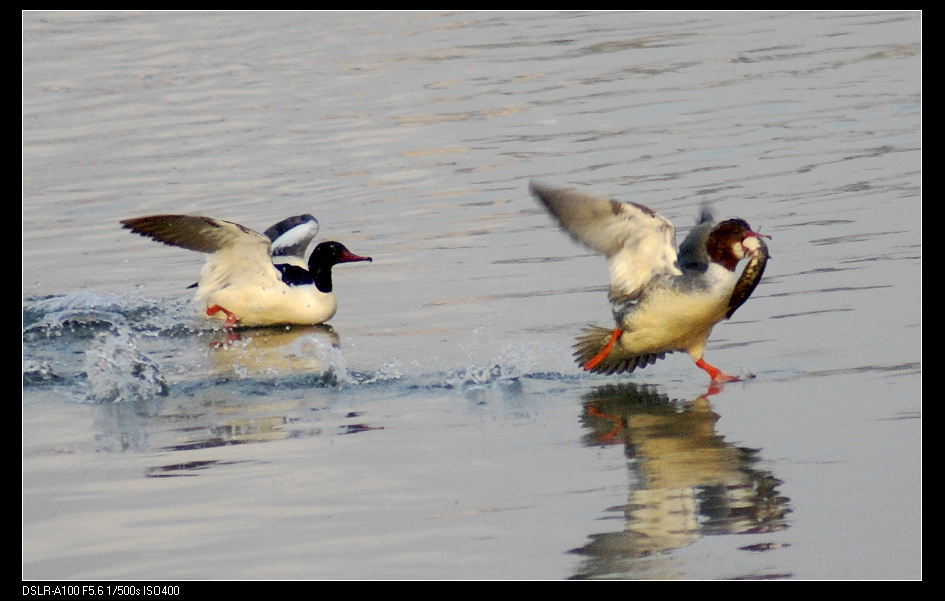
[
  {"x": 252, "y": 279},
  {"x": 662, "y": 301}
]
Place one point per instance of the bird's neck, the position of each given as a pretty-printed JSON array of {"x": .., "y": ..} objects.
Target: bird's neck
[{"x": 321, "y": 275}]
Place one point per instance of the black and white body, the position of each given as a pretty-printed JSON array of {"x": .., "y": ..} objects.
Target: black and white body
[{"x": 244, "y": 281}]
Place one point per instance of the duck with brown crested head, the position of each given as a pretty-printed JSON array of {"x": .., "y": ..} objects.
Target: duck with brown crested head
[{"x": 662, "y": 302}]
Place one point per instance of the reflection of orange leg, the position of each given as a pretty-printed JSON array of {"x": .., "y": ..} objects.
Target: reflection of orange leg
[
  {"x": 715, "y": 373},
  {"x": 713, "y": 389},
  {"x": 596, "y": 359},
  {"x": 231, "y": 338},
  {"x": 231, "y": 318},
  {"x": 593, "y": 411}
]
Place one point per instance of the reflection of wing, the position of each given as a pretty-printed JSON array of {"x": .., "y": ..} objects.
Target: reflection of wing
[
  {"x": 291, "y": 237},
  {"x": 638, "y": 242},
  {"x": 750, "y": 277}
]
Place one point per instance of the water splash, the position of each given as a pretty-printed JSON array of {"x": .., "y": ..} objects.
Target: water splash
[
  {"x": 512, "y": 364},
  {"x": 117, "y": 371},
  {"x": 86, "y": 313},
  {"x": 100, "y": 344},
  {"x": 389, "y": 372},
  {"x": 37, "y": 372},
  {"x": 35, "y": 309},
  {"x": 332, "y": 361}
]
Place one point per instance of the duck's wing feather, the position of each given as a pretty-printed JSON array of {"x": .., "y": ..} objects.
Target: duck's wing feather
[
  {"x": 201, "y": 234},
  {"x": 238, "y": 255},
  {"x": 291, "y": 237},
  {"x": 692, "y": 251},
  {"x": 638, "y": 242}
]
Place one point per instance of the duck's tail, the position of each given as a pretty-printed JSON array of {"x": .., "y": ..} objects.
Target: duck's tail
[{"x": 598, "y": 351}]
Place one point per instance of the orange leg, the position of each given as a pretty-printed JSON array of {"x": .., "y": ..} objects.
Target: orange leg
[
  {"x": 231, "y": 318},
  {"x": 596, "y": 359},
  {"x": 715, "y": 373}
]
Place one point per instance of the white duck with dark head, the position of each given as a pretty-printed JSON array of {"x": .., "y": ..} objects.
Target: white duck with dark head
[
  {"x": 662, "y": 302},
  {"x": 251, "y": 279}
]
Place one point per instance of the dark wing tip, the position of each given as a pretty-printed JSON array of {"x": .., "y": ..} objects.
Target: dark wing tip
[
  {"x": 184, "y": 231},
  {"x": 705, "y": 213},
  {"x": 287, "y": 224},
  {"x": 540, "y": 191}
]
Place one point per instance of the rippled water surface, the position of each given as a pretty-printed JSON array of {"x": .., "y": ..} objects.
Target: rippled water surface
[{"x": 438, "y": 427}]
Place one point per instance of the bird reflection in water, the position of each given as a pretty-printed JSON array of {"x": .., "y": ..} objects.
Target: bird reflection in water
[
  {"x": 282, "y": 350},
  {"x": 687, "y": 482}
]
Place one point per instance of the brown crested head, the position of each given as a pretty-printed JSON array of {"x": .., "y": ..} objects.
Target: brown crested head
[{"x": 727, "y": 244}]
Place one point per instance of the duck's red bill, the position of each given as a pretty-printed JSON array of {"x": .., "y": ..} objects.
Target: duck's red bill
[{"x": 350, "y": 257}]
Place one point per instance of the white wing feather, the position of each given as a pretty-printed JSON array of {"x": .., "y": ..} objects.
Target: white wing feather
[
  {"x": 237, "y": 254},
  {"x": 639, "y": 243}
]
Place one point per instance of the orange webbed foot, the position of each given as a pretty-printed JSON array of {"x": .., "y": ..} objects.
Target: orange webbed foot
[
  {"x": 717, "y": 375},
  {"x": 231, "y": 318}
]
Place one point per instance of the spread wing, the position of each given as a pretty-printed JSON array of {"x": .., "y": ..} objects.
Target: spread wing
[
  {"x": 236, "y": 253},
  {"x": 638, "y": 242},
  {"x": 202, "y": 234}
]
